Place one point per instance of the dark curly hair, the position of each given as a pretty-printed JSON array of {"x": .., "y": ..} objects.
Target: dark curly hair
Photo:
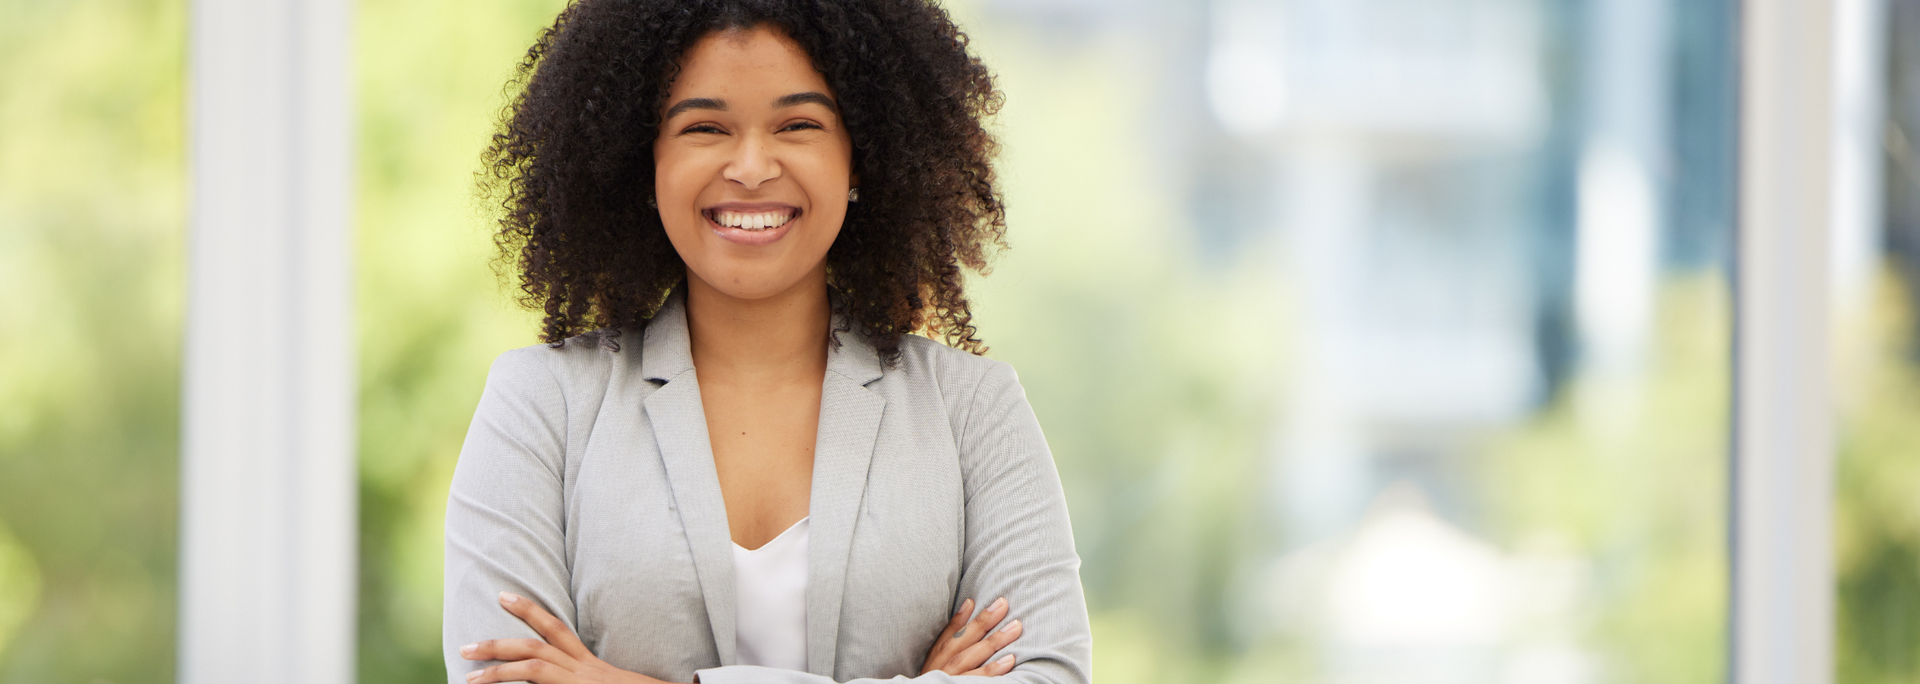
[{"x": 572, "y": 162}]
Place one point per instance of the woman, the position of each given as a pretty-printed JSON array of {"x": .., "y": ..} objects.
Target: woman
[{"x": 732, "y": 463}]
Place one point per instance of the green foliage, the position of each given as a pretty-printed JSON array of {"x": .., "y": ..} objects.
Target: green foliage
[
  {"x": 1632, "y": 474},
  {"x": 432, "y": 318},
  {"x": 91, "y": 213},
  {"x": 1878, "y": 515}
]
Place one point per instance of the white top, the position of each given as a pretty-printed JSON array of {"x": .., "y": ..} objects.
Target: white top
[{"x": 770, "y": 601}]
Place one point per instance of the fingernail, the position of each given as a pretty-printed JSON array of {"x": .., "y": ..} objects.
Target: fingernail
[
  {"x": 1013, "y": 626},
  {"x": 998, "y": 603},
  {"x": 474, "y": 675},
  {"x": 1006, "y": 659},
  {"x": 506, "y": 597},
  {"x": 468, "y": 649}
]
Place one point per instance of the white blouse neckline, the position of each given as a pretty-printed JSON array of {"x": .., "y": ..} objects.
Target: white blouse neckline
[
  {"x": 797, "y": 529},
  {"x": 770, "y": 601}
]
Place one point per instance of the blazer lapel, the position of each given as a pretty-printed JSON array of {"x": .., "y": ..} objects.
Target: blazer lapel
[
  {"x": 680, "y": 426},
  {"x": 849, "y": 424}
]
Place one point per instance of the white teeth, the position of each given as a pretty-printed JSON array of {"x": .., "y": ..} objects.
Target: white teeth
[{"x": 760, "y": 220}]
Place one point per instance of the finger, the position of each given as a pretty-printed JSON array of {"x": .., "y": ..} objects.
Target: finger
[
  {"x": 517, "y": 649},
  {"x": 977, "y": 654},
  {"x": 943, "y": 644},
  {"x": 1001, "y": 666},
  {"x": 531, "y": 671},
  {"x": 959, "y": 619},
  {"x": 995, "y": 668},
  {"x": 955, "y": 661},
  {"x": 549, "y": 627},
  {"x": 984, "y": 621}
]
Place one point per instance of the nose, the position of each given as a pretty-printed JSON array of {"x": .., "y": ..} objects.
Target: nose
[{"x": 753, "y": 163}]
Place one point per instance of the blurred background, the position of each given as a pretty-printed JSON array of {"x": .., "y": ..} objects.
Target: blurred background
[{"x": 1376, "y": 340}]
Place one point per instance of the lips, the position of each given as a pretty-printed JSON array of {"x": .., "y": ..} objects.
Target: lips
[{"x": 751, "y": 223}]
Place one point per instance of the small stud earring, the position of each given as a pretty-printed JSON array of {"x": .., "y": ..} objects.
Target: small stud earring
[{"x": 853, "y": 194}]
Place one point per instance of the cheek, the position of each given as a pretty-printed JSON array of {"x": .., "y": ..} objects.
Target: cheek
[
  {"x": 669, "y": 179},
  {"x": 827, "y": 180},
  {"x": 832, "y": 219},
  {"x": 676, "y": 190}
]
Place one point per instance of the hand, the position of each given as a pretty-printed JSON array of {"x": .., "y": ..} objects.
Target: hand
[
  {"x": 560, "y": 659},
  {"x": 964, "y": 646}
]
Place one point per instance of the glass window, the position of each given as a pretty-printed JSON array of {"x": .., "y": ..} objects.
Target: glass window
[
  {"x": 92, "y": 216},
  {"x": 1377, "y": 340}
]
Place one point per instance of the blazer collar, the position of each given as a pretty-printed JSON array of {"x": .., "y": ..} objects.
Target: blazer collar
[
  {"x": 849, "y": 427},
  {"x": 666, "y": 351}
]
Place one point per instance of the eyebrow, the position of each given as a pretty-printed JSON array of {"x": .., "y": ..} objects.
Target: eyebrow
[
  {"x": 693, "y": 103},
  {"x": 784, "y": 102},
  {"x": 803, "y": 98}
]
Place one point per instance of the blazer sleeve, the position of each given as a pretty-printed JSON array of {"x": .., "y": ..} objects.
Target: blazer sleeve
[
  {"x": 1019, "y": 544},
  {"x": 506, "y": 524}
]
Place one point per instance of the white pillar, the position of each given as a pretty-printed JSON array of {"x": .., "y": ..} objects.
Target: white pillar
[
  {"x": 1783, "y": 568},
  {"x": 267, "y": 464}
]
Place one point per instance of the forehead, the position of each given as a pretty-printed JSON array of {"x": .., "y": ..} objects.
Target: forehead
[{"x": 756, "y": 63}]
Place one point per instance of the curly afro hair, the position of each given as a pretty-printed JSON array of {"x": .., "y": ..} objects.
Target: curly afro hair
[{"x": 572, "y": 162}]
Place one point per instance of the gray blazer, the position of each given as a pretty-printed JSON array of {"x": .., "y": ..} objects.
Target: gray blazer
[{"x": 587, "y": 484}]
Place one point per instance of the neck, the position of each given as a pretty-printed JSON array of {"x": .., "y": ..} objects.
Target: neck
[{"x": 775, "y": 339}]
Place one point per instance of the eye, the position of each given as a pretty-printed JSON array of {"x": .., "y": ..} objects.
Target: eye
[
  {"x": 702, "y": 128},
  {"x": 800, "y": 126}
]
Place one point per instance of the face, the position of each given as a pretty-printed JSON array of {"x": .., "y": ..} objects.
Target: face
[{"x": 752, "y": 165}]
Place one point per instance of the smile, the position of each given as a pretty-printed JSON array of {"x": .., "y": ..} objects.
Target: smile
[
  {"x": 751, "y": 224},
  {"x": 752, "y": 221}
]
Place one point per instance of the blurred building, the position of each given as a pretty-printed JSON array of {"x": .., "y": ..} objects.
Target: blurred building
[{"x": 1472, "y": 203}]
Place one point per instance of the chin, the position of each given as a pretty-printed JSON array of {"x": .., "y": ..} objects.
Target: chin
[{"x": 754, "y": 284}]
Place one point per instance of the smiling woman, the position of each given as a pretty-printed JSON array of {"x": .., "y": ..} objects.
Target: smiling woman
[
  {"x": 773, "y": 480},
  {"x": 585, "y": 139}
]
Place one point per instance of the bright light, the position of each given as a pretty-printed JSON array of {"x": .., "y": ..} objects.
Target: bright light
[
  {"x": 1247, "y": 86},
  {"x": 1617, "y": 253},
  {"x": 1408, "y": 579}
]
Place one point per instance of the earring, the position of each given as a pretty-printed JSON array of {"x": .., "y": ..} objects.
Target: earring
[
  {"x": 650, "y": 202},
  {"x": 853, "y": 194}
]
